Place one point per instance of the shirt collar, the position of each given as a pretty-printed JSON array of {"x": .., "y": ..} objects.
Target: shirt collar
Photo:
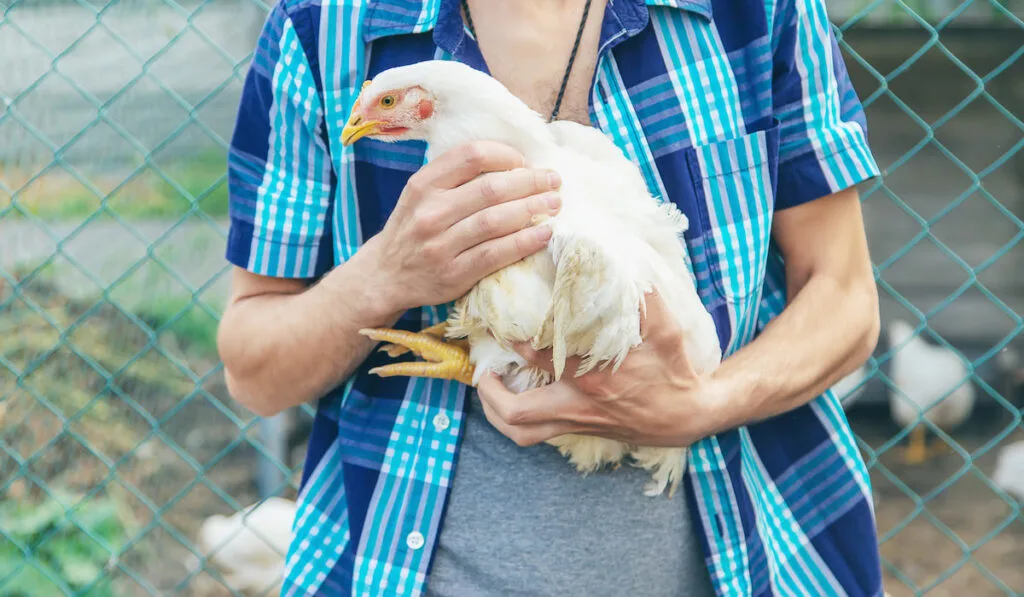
[{"x": 393, "y": 17}]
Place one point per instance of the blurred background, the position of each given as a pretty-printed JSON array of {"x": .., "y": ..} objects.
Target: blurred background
[{"x": 124, "y": 465}]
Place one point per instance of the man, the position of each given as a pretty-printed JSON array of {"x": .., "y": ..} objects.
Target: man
[{"x": 742, "y": 113}]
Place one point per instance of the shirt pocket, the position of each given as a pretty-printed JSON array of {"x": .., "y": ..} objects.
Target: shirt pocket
[{"x": 734, "y": 185}]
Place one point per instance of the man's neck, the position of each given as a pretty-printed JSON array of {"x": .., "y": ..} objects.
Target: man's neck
[
  {"x": 527, "y": 44},
  {"x": 536, "y": 13}
]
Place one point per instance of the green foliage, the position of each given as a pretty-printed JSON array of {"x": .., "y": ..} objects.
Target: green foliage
[
  {"x": 204, "y": 177},
  {"x": 198, "y": 182},
  {"x": 185, "y": 320},
  {"x": 54, "y": 548}
]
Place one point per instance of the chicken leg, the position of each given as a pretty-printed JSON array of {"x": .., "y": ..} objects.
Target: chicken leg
[
  {"x": 445, "y": 360},
  {"x": 918, "y": 451}
]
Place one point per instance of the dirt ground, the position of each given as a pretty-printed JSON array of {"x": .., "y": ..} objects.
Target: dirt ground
[
  {"x": 173, "y": 452},
  {"x": 965, "y": 540},
  {"x": 106, "y": 412}
]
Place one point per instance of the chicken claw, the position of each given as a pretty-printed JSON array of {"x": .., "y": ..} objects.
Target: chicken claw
[
  {"x": 396, "y": 350},
  {"x": 446, "y": 361}
]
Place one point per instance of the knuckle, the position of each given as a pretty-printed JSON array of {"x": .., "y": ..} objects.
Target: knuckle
[
  {"x": 486, "y": 222},
  {"x": 516, "y": 416},
  {"x": 669, "y": 336},
  {"x": 594, "y": 383},
  {"x": 492, "y": 188},
  {"x": 430, "y": 250},
  {"x": 416, "y": 187},
  {"x": 473, "y": 154},
  {"x": 484, "y": 259},
  {"x": 450, "y": 272},
  {"x": 426, "y": 221}
]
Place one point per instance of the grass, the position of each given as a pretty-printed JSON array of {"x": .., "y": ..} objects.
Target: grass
[
  {"x": 183, "y": 319},
  {"x": 59, "y": 196},
  {"x": 179, "y": 319}
]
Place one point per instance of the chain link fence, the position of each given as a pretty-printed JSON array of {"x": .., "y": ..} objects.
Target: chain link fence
[{"x": 122, "y": 456}]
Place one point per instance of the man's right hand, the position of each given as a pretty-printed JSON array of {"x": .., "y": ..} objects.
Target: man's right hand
[{"x": 462, "y": 217}]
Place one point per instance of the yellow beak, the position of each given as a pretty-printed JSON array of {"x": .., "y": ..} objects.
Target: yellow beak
[{"x": 356, "y": 129}]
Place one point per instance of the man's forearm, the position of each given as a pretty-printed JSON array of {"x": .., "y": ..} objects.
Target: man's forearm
[
  {"x": 827, "y": 331},
  {"x": 282, "y": 350}
]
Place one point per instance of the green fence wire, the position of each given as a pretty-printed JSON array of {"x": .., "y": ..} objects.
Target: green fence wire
[{"x": 119, "y": 442}]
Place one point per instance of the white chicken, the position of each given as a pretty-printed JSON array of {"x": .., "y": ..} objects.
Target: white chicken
[
  {"x": 249, "y": 547},
  {"x": 611, "y": 243},
  {"x": 931, "y": 381},
  {"x": 849, "y": 389}
]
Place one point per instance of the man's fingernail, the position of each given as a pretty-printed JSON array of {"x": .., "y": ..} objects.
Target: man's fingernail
[
  {"x": 542, "y": 232},
  {"x": 554, "y": 201},
  {"x": 554, "y": 180}
]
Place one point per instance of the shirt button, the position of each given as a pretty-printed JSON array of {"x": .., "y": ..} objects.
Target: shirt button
[
  {"x": 441, "y": 421},
  {"x": 414, "y": 540}
]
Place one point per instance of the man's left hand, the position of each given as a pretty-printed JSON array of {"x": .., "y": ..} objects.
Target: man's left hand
[{"x": 654, "y": 399}]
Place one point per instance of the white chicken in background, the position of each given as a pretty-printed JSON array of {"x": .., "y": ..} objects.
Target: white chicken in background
[
  {"x": 611, "y": 243},
  {"x": 249, "y": 547},
  {"x": 850, "y": 388},
  {"x": 931, "y": 381},
  {"x": 1009, "y": 472}
]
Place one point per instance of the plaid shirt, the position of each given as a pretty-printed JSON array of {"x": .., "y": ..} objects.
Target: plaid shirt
[{"x": 733, "y": 109}]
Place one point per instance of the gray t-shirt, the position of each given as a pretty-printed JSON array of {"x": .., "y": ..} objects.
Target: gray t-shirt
[{"x": 522, "y": 521}]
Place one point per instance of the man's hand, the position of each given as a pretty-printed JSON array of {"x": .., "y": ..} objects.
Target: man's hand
[
  {"x": 460, "y": 218},
  {"x": 654, "y": 399}
]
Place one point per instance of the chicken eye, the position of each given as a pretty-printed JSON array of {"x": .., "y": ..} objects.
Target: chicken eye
[{"x": 388, "y": 101}]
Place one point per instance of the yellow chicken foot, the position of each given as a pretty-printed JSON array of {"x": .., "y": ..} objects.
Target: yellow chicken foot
[
  {"x": 396, "y": 350},
  {"x": 447, "y": 361},
  {"x": 918, "y": 451}
]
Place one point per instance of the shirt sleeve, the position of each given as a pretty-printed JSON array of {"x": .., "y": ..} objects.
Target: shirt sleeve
[
  {"x": 823, "y": 145},
  {"x": 279, "y": 167}
]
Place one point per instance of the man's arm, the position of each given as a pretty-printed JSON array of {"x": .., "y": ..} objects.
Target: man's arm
[
  {"x": 284, "y": 343},
  {"x": 830, "y": 325}
]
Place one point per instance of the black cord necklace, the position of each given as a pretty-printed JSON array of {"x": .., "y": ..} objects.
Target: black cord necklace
[{"x": 572, "y": 56}]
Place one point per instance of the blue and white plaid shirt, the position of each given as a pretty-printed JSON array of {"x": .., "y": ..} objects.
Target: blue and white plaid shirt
[{"x": 733, "y": 109}]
